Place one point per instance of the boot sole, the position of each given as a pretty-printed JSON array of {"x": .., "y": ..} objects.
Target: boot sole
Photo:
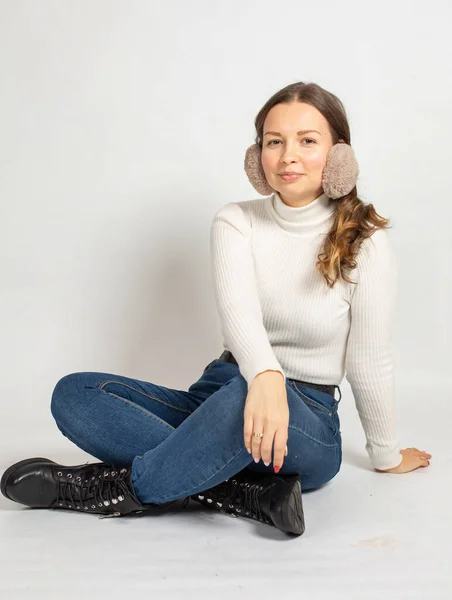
[{"x": 9, "y": 470}]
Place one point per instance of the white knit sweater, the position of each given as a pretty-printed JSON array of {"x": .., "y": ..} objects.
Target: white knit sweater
[{"x": 277, "y": 312}]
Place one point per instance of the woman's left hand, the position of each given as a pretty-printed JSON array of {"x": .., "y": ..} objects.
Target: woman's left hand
[{"x": 412, "y": 459}]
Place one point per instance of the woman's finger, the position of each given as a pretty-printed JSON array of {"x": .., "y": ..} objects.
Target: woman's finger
[
  {"x": 422, "y": 453},
  {"x": 416, "y": 452},
  {"x": 247, "y": 431},
  {"x": 256, "y": 441},
  {"x": 267, "y": 445},
  {"x": 279, "y": 447}
]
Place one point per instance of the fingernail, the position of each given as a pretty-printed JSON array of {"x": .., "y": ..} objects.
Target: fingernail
[
  {"x": 276, "y": 469},
  {"x": 266, "y": 464},
  {"x": 249, "y": 451},
  {"x": 256, "y": 460}
]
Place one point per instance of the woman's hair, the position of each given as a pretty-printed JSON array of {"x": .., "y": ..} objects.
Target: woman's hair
[{"x": 353, "y": 221}]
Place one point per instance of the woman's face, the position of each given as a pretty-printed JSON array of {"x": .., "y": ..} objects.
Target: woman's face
[{"x": 283, "y": 149}]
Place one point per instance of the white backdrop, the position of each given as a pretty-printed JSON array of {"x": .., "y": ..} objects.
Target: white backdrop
[{"x": 123, "y": 128}]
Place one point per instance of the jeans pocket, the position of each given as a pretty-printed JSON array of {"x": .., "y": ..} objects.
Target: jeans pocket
[{"x": 321, "y": 406}]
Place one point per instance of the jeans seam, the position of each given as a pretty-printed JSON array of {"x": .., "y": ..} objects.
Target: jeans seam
[
  {"x": 334, "y": 445},
  {"x": 102, "y": 383}
]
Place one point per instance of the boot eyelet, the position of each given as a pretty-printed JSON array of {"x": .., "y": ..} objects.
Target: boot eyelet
[
  {"x": 93, "y": 506},
  {"x": 78, "y": 479},
  {"x": 201, "y": 497},
  {"x": 114, "y": 500},
  {"x": 113, "y": 473},
  {"x": 78, "y": 507},
  {"x": 120, "y": 498},
  {"x": 107, "y": 502},
  {"x": 209, "y": 500},
  {"x": 100, "y": 504},
  {"x": 85, "y": 507},
  {"x": 69, "y": 505},
  {"x": 60, "y": 473},
  {"x": 60, "y": 504},
  {"x": 69, "y": 475}
]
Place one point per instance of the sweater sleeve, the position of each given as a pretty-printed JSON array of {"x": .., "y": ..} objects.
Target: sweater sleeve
[
  {"x": 369, "y": 362},
  {"x": 236, "y": 293}
]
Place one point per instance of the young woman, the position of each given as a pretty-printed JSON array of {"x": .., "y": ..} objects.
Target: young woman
[{"x": 261, "y": 423}]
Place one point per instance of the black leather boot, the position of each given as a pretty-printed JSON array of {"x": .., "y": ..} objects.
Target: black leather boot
[
  {"x": 272, "y": 499},
  {"x": 90, "y": 488}
]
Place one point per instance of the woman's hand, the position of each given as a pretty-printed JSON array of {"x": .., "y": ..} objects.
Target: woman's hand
[
  {"x": 412, "y": 459},
  {"x": 267, "y": 412}
]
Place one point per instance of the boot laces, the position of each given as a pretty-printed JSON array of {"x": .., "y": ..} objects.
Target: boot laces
[
  {"x": 245, "y": 494},
  {"x": 95, "y": 491},
  {"x": 243, "y": 498}
]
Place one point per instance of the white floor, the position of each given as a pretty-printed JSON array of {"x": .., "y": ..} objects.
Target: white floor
[{"x": 368, "y": 535}]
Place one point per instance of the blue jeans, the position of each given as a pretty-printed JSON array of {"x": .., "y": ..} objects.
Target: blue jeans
[{"x": 179, "y": 442}]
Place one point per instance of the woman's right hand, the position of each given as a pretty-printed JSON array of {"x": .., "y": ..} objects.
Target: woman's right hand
[
  {"x": 267, "y": 412},
  {"x": 412, "y": 459}
]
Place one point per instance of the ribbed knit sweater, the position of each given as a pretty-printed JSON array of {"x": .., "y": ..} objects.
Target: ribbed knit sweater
[{"x": 277, "y": 312}]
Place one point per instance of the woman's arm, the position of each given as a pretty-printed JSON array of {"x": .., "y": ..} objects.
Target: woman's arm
[
  {"x": 369, "y": 362},
  {"x": 236, "y": 293}
]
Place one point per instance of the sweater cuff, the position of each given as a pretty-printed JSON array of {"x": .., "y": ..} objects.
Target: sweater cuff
[
  {"x": 382, "y": 458},
  {"x": 250, "y": 370}
]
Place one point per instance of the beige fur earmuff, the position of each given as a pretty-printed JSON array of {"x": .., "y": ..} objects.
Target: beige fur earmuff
[{"x": 339, "y": 174}]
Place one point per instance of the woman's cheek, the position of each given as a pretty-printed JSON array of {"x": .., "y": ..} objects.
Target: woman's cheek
[
  {"x": 266, "y": 163},
  {"x": 316, "y": 161}
]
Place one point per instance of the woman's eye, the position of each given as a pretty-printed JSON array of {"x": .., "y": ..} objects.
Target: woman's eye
[{"x": 270, "y": 143}]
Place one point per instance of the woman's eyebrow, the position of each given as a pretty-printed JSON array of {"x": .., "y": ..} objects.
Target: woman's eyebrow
[{"x": 298, "y": 132}]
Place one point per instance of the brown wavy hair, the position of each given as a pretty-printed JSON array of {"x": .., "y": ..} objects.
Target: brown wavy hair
[{"x": 354, "y": 221}]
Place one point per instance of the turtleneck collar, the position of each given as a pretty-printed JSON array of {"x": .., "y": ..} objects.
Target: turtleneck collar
[{"x": 303, "y": 220}]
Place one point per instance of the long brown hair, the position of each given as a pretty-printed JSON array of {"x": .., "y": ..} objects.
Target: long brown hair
[{"x": 353, "y": 221}]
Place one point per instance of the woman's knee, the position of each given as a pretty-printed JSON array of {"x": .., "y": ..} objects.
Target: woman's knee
[{"x": 66, "y": 389}]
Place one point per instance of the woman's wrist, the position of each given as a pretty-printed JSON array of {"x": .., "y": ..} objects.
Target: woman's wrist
[{"x": 269, "y": 373}]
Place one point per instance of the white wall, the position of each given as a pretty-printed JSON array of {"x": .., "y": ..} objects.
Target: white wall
[{"x": 123, "y": 128}]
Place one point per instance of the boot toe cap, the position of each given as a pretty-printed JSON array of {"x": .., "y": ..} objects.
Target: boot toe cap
[{"x": 28, "y": 483}]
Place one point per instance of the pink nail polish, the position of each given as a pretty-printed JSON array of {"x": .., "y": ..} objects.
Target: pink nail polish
[{"x": 276, "y": 469}]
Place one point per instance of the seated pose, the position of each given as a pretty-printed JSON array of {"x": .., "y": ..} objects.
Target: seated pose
[{"x": 261, "y": 424}]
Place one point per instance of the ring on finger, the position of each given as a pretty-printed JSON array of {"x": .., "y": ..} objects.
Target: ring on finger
[{"x": 258, "y": 436}]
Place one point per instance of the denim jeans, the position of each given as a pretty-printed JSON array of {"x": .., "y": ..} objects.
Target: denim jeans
[{"x": 179, "y": 442}]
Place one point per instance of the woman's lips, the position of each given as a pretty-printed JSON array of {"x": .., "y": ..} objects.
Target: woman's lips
[{"x": 291, "y": 177}]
